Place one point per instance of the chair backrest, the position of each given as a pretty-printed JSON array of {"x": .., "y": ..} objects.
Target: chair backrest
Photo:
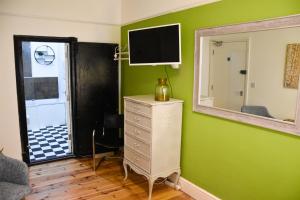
[
  {"x": 256, "y": 110},
  {"x": 113, "y": 121}
]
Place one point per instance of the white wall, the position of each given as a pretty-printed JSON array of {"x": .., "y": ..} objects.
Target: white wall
[
  {"x": 135, "y": 10},
  {"x": 40, "y": 114},
  {"x": 204, "y": 71},
  {"x": 26, "y": 25},
  {"x": 268, "y": 74},
  {"x": 51, "y": 70}
]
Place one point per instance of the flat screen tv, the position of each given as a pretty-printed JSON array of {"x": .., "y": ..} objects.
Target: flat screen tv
[{"x": 159, "y": 45}]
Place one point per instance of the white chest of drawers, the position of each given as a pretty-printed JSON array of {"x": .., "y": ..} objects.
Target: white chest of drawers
[{"x": 152, "y": 137}]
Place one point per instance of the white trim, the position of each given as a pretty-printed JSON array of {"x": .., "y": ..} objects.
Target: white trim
[
  {"x": 69, "y": 100},
  {"x": 153, "y": 27},
  {"x": 195, "y": 191},
  {"x": 268, "y": 24},
  {"x": 205, "y": 2}
]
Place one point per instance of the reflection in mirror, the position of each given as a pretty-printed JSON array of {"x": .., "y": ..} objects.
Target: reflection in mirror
[{"x": 252, "y": 72}]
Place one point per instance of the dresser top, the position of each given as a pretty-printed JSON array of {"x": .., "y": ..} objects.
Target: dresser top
[{"x": 149, "y": 99}]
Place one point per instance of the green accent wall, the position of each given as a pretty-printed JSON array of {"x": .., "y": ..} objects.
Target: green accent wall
[{"x": 231, "y": 160}]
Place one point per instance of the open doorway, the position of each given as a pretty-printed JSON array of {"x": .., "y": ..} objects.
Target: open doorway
[
  {"x": 228, "y": 73},
  {"x": 45, "y": 98}
]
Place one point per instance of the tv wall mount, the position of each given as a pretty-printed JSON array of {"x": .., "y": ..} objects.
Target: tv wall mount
[{"x": 121, "y": 53}]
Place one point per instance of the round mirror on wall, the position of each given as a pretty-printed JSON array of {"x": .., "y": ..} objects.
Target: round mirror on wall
[{"x": 44, "y": 55}]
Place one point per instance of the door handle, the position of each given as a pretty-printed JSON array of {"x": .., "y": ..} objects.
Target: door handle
[
  {"x": 241, "y": 93},
  {"x": 243, "y": 71}
]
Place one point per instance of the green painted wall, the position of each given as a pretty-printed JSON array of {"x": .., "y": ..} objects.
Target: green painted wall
[{"x": 231, "y": 160}]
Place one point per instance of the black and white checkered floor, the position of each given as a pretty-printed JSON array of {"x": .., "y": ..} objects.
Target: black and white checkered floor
[{"x": 48, "y": 143}]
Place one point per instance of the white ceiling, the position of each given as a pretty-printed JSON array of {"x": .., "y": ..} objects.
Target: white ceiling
[{"x": 136, "y": 10}]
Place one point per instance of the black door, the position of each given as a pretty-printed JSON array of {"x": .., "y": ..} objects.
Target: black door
[
  {"x": 21, "y": 42},
  {"x": 96, "y": 90}
]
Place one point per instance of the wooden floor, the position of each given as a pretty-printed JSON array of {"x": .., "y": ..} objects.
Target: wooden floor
[{"x": 74, "y": 179}]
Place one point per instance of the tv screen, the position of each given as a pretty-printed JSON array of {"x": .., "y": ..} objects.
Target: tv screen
[{"x": 155, "y": 45}]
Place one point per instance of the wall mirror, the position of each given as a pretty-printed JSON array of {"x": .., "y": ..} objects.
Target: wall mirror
[{"x": 250, "y": 73}]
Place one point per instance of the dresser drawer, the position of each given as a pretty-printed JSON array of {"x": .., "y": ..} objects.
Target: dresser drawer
[
  {"x": 138, "y": 119},
  {"x": 137, "y": 145},
  {"x": 138, "y": 108},
  {"x": 137, "y": 159},
  {"x": 138, "y": 132}
]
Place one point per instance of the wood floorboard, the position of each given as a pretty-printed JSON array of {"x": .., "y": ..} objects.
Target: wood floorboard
[{"x": 74, "y": 179}]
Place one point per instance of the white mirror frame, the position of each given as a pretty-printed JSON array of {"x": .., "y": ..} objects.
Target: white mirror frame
[{"x": 283, "y": 22}]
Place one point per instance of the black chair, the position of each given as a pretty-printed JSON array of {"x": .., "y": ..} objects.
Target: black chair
[{"x": 110, "y": 135}]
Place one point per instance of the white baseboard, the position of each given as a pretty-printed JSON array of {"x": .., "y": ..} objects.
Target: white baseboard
[{"x": 195, "y": 191}]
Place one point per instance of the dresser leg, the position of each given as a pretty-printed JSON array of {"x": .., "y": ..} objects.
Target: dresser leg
[
  {"x": 150, "y": 182},
  {"x": 125, "y": 169},
  {"x": 177, "y": 179}
]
